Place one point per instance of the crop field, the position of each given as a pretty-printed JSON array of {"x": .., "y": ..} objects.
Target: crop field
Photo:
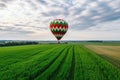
[
  {"x": 54, "y": 62},
  {"x": 111, "y": 53}
]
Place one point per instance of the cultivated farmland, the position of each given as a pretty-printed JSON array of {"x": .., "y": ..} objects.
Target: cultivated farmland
[
  {"x": 109, "y": 52},
  {"x": 54, "y": 62}
]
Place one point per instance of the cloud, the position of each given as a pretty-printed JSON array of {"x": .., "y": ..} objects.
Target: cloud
[
  {"x": 2, "y": 5},
  {"x": 6, "y": 1},
  {"x": 93, "y": 13},
  {"x": 34, "y": 16},
  {"x": 106, "y": 26},
  {"x": 15, "y": 30}
]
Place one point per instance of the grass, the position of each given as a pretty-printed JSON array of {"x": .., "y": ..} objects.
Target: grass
[{"x": 54, "y": 62}]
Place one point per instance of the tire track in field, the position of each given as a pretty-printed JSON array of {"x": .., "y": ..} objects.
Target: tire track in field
[
  {"x": 72, "y": 68},
  {"x": 46, "y": 67},
  {"x": 57, "y": 70}
]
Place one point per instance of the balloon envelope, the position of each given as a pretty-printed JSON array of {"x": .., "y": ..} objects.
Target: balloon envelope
[{"x": 58, "y": 27}]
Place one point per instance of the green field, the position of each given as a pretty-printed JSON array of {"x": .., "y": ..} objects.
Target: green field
[{"x": 54, "y": 62}]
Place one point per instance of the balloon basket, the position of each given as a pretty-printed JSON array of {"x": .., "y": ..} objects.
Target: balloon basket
[{"x": 58, "y": 42}]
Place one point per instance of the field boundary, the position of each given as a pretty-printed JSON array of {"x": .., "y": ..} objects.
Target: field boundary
[{"x": 113, "y": 61}]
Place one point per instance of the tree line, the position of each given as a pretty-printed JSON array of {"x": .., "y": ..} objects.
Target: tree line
[{"x": 13, "y": 43}]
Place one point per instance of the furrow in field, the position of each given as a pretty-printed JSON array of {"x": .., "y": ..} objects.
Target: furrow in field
[
  {"x": 47, "y": 66},
  {"x": 57, "y": 70},
  {"x": 65, "y": 68},
  {"x": 72, "y": 68}
]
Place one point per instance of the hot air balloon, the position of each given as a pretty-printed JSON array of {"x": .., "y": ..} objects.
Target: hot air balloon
[{"x": 58, "y": 27}]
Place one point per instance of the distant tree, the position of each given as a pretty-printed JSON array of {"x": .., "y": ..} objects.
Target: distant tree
[{"x": 15, "y": 43}]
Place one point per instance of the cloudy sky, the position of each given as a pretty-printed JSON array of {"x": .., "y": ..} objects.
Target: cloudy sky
[{"x": 87, "y": 19}]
